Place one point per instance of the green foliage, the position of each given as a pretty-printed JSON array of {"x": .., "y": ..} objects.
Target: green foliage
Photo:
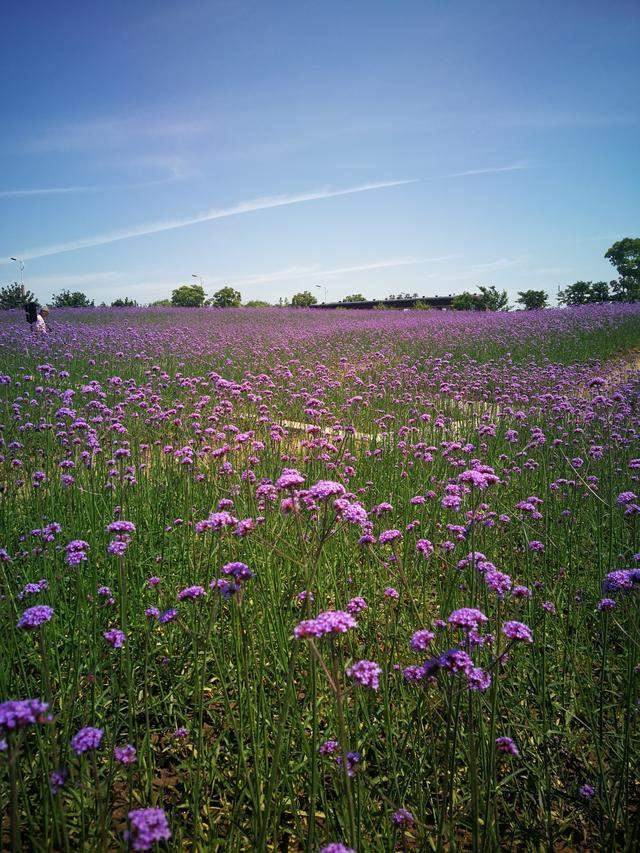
[
  {"x": 226, "y": 297},
  {"x": 492, "y": 299},
  {"x": 256, "y": 303},
  {"x": 533, "y": 299},
  {"x": 71, "y": 299},
  {"x": 124, "y": 303},
  {"x": 188, "y": 296},
  {"x": 625, "y": 290},
  {"x": 161, "y": 303},
  {"x": 489, "y": 299},
  {"x": 355, "y": 297},
  {"x": 625, "y": 257},
  {"x": 303, "y": 300},
  {"x": 421, "y": 305},
  {"x": 465, "y": 301},
  {"x": 11, "y": 297},
  {"x": 584, "y": 293}
]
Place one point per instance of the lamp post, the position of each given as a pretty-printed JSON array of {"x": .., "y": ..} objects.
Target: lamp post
[
  {"x": 323, "y": 287},
  {"x": 200, "y": 279},
  {"x": 20, "y": 264}
]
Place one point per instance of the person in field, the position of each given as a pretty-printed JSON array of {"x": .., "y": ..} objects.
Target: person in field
[{"x": 40, "y": 324}]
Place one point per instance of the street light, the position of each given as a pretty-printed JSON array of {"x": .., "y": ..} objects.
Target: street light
[
  {"x": 323, "y": 287},
  {"x": 200, "y": 279},
  {"x": 20, "y": 263}
]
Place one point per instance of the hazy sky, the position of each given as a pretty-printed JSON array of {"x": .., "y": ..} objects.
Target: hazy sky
[{"x": 370, "y": 146}]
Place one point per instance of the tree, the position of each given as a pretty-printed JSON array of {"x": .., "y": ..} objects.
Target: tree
[
  {"x": 465, "y": 301},
  {"x": 600, "y": 291},
  {"x": 626, "y": 290},
  {"x": 75, "y": 299},
  {"x": 303, "y": 300},
  {"x": 491, "y": 299},
  {"x": 124, "y": 303},
  {"x": 188, "y": 296},
  {"x": 625, "y": 257},
  {"x": 533, "y": 299},
  {"x": 161, "y": 303},
  {"x": 584, "y": 293},
  {"x": 226, "y": 297},
  {"x": 256, "y": 303},
  {"x": 355, "y": 297},
  {"x": 11, "y": 297}
]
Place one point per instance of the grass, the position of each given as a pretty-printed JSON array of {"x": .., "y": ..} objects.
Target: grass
[{"x": 158, "y": 416}]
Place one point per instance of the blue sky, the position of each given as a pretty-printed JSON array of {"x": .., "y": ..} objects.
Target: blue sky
[{"x": 371, "y": 147}]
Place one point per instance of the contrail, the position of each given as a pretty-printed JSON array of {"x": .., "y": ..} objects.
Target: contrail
[{"x": 263, "y": 203}]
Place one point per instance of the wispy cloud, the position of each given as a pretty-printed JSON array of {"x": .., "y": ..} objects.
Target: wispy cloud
[
  {"x": 75, "y": 190},
  {"x": 477, "y": 270},
  {"x": 514, "y": 167},
  {"x": 264, "y": 203},
  {"x": 298, "y": 272},
  {"x": 110, "y": 132}
]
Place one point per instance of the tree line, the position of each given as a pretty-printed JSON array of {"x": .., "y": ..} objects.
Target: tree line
[{"x": 624, "y": 256}]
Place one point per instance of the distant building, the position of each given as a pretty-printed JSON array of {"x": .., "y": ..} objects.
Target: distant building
[{"x": 439, "y": 303}]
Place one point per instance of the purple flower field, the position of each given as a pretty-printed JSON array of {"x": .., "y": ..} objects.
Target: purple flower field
[{"x": 320, "y": 580}]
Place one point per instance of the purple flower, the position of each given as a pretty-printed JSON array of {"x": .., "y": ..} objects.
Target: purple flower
[
  {"x": 115, "y": 638},
  {"x": 605, "y": 604},
  {"x": 36, "y": 616},
  {"x": 352, "y": 760},
  {"x": 390, "y": 592},
  {"x": 421, "y": 640},
  {"x": 517, "y": 631},
  {"x": 455, "y": 660},
  {"x": 19, "y": 713},
  {"x": 76, "y": 552},
  {"x": 498, "y": 582},
  {"x": 121, "y": 526},
  {"x": 402, "y": 817},
  {"x": 125, "y": 754},
  {"x": 330, "y": 622},
  {"x": 505, "y": 744},
  {"x": 625, "y": 498},
  {"x": 328, "y": 747},
  {"x": 478, "y": 679},
  {"x": 289, "y": 479},
  {"x": 324, "y": 489},
  {"x": 117, "y": 547},
  {"x": 191, "y": 592},
  {"x": 33, "y": 589},
  {"x": 620, "y": 580},
  {"x": 467, "y": 618},
  {"x": 240, "y": 571},
  {"x": 58, "y": 779},
  {"x": 86, "y": 739},
  {"x": 388, "y": 536},
  {"x": 549, "y": 607},
  {"x": 356, "y": 605},
  {"x": 535, "y": 545},
  {"x": 216, "y": 521},
  {"x": 481, "y": 477},
  {"x": 521, "y": 592},
  {"x": 167, "y": 616},
  {"x": 148, "y": 826},
  {"x": 336, "y": 847},
  {"x": 587, "y": 791},
  {"x": 424, "y": 547},
  {"x": 366, "y": 673}
]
